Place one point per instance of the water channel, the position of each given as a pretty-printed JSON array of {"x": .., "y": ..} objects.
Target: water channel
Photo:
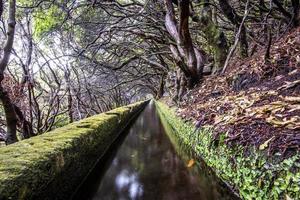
[{"x": 146, "y": 164}]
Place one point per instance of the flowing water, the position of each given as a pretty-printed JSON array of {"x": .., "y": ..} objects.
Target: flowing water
[{"x": 145, "y": 164}]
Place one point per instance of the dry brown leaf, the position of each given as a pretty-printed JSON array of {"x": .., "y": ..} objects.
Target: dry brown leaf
[
  {"x": 272, "y": 92},
  {"x": 294, "y": 107},
  {"x": 190, "y": 163},
  {"x": 265, "y": 144},
  {"x": 284, "y": 122},
  {"x": 292, "y": 99},
  {"x": 289, "y": 84}
]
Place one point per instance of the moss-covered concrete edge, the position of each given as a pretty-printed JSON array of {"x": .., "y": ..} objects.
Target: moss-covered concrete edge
[
  {"x": 52, "y": 165},
  {"x": 251, "y": 175}
]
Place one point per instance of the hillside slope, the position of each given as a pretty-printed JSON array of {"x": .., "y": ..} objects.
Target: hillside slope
[{"x": 256, "y": 102}]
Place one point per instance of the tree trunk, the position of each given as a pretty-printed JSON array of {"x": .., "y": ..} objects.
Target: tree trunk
[
  {"x": 188, "y": 58},
  {"x": 10, "y": 114},
  {"x": 27, "y": 130},
  {"x": 70, "y": 99},
  {"x": 70, "y": 107},
  {"x": 237, "y": 37},
  {"x": 177, "y": 85},
  {"x": 296, "y": 10},
  {"x": 11, "y": 117},
  {"x": 183, "y": 83},
  {"x": 1, "y": 8},
  {"x": 160, "y": 92},
  {"x": 185, "y": 40},
  {"x": 215, "y": 38}
]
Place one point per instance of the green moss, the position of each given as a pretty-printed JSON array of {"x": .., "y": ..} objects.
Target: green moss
[
  {"x": 216, "y": 39},
  {"x": 52, "y": 165},
  {"x": 251, "y": 174}
]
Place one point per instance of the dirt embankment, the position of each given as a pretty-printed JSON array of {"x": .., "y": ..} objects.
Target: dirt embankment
[{"x": 257, "y": 102}]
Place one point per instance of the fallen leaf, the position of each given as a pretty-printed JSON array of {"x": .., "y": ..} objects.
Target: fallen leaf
[
  {"x": 292, "y": 99},
  {"x": 265, "y": 144},
  {"x": 294, "y": 107},
  {"x": 280, "y": 123},
  {"x": 272, "y": 92},
  {"x": 191, "y": 163},
  {"x": 289, "y": 85}
]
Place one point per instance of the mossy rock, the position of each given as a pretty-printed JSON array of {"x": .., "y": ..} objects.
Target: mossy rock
[{"x": 52, "y": 165}]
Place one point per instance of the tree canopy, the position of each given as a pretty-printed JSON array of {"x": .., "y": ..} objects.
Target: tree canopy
[{"x": 64, "y": 60}]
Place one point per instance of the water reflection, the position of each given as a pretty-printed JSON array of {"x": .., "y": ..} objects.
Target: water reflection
[{"x": 146, "y": 166}]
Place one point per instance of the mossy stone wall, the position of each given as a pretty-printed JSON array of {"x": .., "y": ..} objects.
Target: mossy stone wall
[{"x": 52, "y": 165}]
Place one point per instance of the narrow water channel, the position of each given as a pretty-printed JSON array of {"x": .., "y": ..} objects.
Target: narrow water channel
[{"x": 144, "y": 164}]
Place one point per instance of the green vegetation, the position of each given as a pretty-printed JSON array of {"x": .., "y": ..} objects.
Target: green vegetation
[
  {"x": 53, "y": 164},
  {"x": 45, "y": 21},
  {"x": 249, "y": 173}
]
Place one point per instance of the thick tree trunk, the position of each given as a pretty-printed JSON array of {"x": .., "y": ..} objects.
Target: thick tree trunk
[
  {"x": 161, "y": 90},
  {"x": 11, "y": 117},
  {"x": 243, "y": 42},
  {"x": 180, "y": 86},
  {"x": 27, "y": 130},
  {"x": 10, "y": 114},
  {"x": 185, "y": 40},
  {"x": 215, "y": 38},
  {"x": 10, "y": 38},
  {"x": 188, "y": 58}
]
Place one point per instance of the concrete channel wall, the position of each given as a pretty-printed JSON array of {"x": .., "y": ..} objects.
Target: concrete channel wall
[
  {"x": 248, "y": 173},
  {"x": 52, "y": 165}
]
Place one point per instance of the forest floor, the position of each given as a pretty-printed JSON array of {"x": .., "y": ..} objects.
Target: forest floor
[{"x": 256, "y": 103}]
